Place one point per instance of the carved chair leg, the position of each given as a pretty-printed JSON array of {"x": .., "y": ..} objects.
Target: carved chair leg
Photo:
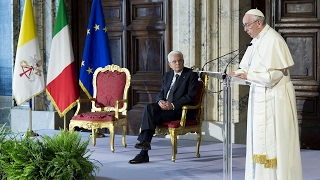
[
  {"x": 124, "y": 132},
  {"x": 173, "y": 138},
  {"x": 198, "y": 143},
  {"x": 93, "y": 136},
  {"x": 111, "y": 129},
  {"x": 71, "y": 128}
]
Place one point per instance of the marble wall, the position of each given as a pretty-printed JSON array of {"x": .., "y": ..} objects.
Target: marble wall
[{"x": 204, "y": 30}]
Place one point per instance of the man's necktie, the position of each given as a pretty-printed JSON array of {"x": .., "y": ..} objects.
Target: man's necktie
[{"x": 170, "y": 96}]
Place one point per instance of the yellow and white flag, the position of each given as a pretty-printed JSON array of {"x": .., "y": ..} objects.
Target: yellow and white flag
[{"x": 28, "y": 78}]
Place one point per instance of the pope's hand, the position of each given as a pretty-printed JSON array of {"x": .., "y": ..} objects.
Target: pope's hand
[{"x": 241, "y": 75}]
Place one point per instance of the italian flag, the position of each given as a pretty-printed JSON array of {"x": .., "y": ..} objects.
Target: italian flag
[
  {"x": 28, "y": 78},
  {"x": 62, "y": 81}
]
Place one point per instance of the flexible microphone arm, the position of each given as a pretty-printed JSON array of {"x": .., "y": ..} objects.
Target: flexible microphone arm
[
  {"x": 225, "y": 55},
  {"x": 225, "y": 70}
]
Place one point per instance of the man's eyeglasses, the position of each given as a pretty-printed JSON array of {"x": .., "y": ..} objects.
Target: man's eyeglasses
[
  {"x": 176, "y": 61},
  {"x": 248, "y": 25}
]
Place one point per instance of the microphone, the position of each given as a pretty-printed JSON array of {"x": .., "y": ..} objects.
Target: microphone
[
  {"x": 225, "y": 70},
  {"x": 247, "y": 45},
  {"x": 225, "y": 55}
]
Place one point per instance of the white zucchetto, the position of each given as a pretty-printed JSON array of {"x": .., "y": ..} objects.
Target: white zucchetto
[{"x": 256, "y": 12}]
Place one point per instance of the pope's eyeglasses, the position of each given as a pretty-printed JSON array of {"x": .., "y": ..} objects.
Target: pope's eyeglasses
[{"x": 248, "y": 25}]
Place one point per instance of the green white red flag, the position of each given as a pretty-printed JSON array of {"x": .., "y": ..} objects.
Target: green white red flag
[{"x": 62, "y": 80}]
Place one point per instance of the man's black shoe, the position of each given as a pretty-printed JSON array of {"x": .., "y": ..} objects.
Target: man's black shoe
[
  {"x": 143, "y": 145},
  {"x": 139, "y": 159}
]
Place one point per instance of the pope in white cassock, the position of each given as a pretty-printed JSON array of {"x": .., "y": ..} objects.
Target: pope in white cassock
[{"x": 273, "y": 150}]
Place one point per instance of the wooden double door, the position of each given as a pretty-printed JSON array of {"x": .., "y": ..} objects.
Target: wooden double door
[{"x": 139, "y": 40}]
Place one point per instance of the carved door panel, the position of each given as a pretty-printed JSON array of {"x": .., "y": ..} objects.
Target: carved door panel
[
  {"x": 139, "y": 40},
  {"x": 298, "y": 22}
]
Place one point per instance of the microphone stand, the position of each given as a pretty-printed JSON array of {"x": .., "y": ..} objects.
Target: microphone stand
[
  {"x": 217, "y": 58},
  {"x": 225, "y": 55},
  {"x": 225, "y": 69},
  {"x": 224, "y": 74},
  {"x": 227, "y": 121}
]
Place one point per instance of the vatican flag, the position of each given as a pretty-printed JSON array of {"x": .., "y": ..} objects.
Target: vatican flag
[{"x": 28, "y": 80}]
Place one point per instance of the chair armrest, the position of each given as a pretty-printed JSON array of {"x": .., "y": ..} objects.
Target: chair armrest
[
  {"x": 79, "y": 101},
  {"x": 120, "y": 101},
  {"x": 185, "y": 109},
  {"x": 116, "y": 112}
]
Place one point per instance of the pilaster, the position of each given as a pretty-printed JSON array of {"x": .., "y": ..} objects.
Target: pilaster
[{"x": 204, "y": 30}]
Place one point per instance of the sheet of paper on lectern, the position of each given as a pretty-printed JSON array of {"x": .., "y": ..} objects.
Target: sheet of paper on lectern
[{"x": 236, "y": 80}]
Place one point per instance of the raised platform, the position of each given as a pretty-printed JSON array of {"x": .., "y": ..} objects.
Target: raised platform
[{"x": 115, "y": 166}]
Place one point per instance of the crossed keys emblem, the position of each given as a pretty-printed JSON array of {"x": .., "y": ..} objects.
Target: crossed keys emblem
[{"x": 28, "y": 69}]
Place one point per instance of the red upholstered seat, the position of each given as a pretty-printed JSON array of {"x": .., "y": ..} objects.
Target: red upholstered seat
[
  {"x": 109, "y": 103},
  {"x": 176, "y": 123},
  {"x": 97, "y": 116},
  {"x": 183, "y": 126}
]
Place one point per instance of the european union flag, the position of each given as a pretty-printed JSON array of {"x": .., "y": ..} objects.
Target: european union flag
[{"x": 96, "y": 49}]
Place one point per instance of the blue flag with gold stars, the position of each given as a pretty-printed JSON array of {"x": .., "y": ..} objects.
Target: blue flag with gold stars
[{"x": 96, "y": 49}]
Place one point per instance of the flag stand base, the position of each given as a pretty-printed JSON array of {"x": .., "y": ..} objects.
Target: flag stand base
[
  {"x": 99, "y": 135},
  {"x": 31, "y": 134}
]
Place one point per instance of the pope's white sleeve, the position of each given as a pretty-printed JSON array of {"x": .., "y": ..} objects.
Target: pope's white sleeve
[{"x": 267, "y": 78}]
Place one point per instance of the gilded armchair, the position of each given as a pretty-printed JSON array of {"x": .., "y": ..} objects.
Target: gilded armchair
[
  {"x": 183, "y": 125},
  {"x": 108, "y": 105}
]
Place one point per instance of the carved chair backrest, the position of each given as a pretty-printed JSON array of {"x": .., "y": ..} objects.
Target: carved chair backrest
[{"x": 110, "y": 84}]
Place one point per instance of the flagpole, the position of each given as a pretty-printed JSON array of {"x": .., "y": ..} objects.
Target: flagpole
[
  {"x": 65, "y": 122},
  {"x": 30, "y": 120}
]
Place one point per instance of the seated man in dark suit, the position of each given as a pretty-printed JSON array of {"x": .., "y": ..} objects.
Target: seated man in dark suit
[{"x": 179, "y": 88}]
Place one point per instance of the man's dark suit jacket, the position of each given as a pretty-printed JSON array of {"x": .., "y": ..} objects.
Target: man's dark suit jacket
[
  {"x": 185, "y": 90},
  {"x": 184, "y": 93}
]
